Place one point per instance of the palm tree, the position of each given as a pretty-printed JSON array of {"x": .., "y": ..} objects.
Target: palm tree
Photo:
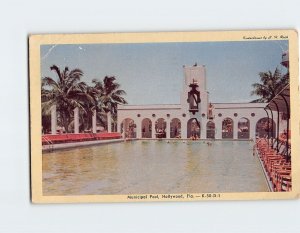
[
  {"x": 271, "y": 84},
  {"x": 110, "y": 95},
  {"x": 66, "y": 93},
  {"x": 91, "y": 106}
]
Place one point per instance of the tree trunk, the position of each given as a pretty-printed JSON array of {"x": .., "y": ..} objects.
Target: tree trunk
[{"x": 65, "y": 123}]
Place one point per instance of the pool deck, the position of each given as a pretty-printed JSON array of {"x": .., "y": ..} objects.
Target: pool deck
[
  {"x": 269, "y": 183},
  {"x": 61, "y": 146}
]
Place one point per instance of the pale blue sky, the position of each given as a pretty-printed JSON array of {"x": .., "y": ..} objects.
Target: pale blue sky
[{"x": 152, "y": 73}]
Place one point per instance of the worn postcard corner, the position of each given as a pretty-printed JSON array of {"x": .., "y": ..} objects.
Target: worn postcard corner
[{"x": 184, "y": 116}]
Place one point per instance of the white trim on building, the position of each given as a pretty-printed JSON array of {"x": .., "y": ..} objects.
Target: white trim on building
[{"x": 205, "y": 112}]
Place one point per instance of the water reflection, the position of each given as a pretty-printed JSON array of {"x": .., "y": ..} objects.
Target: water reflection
[{"x": 153, "y": 167}]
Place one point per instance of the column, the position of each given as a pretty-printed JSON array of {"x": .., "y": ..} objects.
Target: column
[
  {"x": 138, "y": 128},
  {"x": 252, "y": 130},
  {"x": 218, "y": 129},
  {"x": 109, "y": 122},
  {"x": 153, "y": 129},
  {"x": 275, "y": 125},
  {"x": 168, "y": 131},
  {"x": 125, "y": 127},
  {"x": 118, "y": 128},
  {"x": 94, "y": 121},
  {"x": 183, "y": 128},
  {"x": 76, "y": 120},
  {"x": 235, "y": 129},
  {"x": 53, "y": 119},
  {"x": 203, "y": 130}
]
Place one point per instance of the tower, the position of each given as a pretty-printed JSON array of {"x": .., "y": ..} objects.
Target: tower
[{"x": 194, "y": 96}]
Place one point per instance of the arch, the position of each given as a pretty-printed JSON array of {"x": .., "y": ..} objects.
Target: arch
[
  {"x": 243, "y": 128},
  {"x": 160, "y": 128},
  {"x": 210, "y": 129},
  {"x": 146, "y": 128},
  {"x": 264, "y": 127},
  {"x": 128, "y": 127},
  {"x": 193, "y": 128},
  {"x": 227, "y": 128},
  {"x": 175, "y": 128}
]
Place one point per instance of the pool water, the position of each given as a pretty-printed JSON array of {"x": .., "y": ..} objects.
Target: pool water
[{"x": 137, "y": 167}]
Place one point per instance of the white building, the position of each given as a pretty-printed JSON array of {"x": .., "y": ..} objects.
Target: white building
[{"x": 194, "y": 116}]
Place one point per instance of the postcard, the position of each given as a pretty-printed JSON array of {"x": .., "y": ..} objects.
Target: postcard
[{"x": 168, "y": 116}]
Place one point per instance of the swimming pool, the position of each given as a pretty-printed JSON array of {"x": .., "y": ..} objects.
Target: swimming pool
[{"x": 151, "y": 166}]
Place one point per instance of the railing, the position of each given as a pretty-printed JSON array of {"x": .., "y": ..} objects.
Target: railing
[
  {"x": 48, "y": 141},
  {"x": 227, "y": 134}
]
